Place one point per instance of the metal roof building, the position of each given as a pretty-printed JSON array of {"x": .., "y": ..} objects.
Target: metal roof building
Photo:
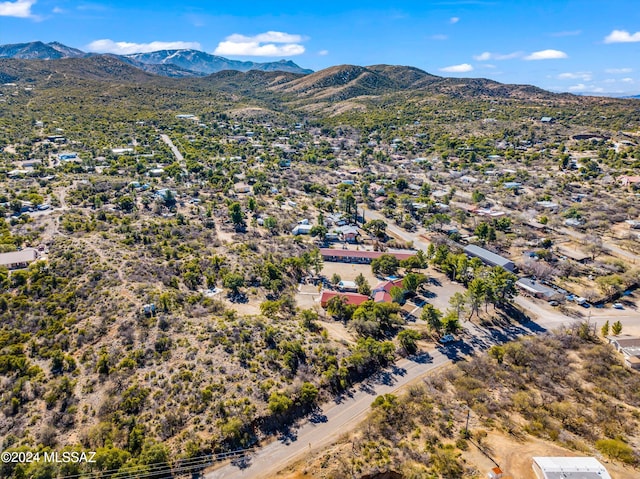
[
  {"x": 569, "y": 468},
  {"x": 489, "y": 258}
]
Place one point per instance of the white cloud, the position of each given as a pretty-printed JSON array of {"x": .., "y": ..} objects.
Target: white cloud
[
  {"x": 584, "y": 76},
  {"x": 126, "y": 48},
  {"x": 57, "y": 10},
  {"x": 454, "y": 20},
  {"x": 614, "y": 71},
  {"x": 323, "y": 52},
  {"x": 484, "y": 56},
  {"x": 622, "y": 36},
  {"x": 546, "y": 55},
  {"x": 268, "y": 44},
  {"x": 582, "y": 88},
  {"x": 439, "y": 36},
  {"x": 18, "y": 9},
  {"x": 627, "y": 80},
  {"x": 462, "y": 68}
]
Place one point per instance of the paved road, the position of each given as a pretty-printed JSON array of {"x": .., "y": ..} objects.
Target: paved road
[
  {"x": 335, "y": 419},
  {"x": 173, "y": 147}
]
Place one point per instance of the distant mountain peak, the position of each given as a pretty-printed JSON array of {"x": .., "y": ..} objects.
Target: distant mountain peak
[
  {"x": 173, "y": 63},
  {"x": 205, "y": 63}
]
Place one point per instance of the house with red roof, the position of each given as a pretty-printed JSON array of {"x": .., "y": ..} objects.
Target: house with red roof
[
  {"x": 354, "y": 299},
  {"x": 382, "y": 292}
]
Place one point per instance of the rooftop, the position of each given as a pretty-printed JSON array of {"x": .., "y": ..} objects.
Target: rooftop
[
  {"x": 488, "y": 256},
  {"x": 571, "y": 468},
  {"x": 14, "y": 257}
]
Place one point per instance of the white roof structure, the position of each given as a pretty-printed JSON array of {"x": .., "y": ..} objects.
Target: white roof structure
[
  {"x": 13, "y": 258},
  {"x": 347, "y": 285},
  {"x": 569, "y": 468}
]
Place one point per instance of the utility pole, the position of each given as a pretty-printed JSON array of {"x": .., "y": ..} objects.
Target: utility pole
[{"x": 466, "y": 428}]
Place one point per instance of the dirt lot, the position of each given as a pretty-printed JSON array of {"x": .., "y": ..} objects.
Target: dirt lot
[
  {"x": 348, "y": 272},
  {"x": 514, "y": 457}
]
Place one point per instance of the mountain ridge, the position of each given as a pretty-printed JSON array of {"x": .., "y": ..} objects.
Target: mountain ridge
[{"x": 172, "y": 63}]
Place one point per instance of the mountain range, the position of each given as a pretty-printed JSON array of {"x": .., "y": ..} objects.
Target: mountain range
[{"x": 171, "y": 63}]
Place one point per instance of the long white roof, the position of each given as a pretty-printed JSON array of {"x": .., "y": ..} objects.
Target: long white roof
[{"x": 571, "y": 468}]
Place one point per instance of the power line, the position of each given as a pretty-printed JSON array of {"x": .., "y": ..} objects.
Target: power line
[{"x": 152, "y": 470}]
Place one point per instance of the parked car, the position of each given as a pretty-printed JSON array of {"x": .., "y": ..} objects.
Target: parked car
[
  {"x": 585, "y": 305},
  {"x": 618, "y": 306},
  {"x": 44, "y": 207},
  {"x": 447, "y": 338},
  {"x": 554, "y": 303}
]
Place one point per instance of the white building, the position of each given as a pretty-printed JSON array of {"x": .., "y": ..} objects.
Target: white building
[{"x": 569, "y": 468}]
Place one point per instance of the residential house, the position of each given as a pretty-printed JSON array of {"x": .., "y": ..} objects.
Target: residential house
[
  {"x": 241, "y": 188},
  {"x": 19, "y": 259},
  {"x": 547, "y": 205},
  {"x": 302, "y": 229},
  {"x": 348, "y": 233},
  {"x": 536, "y": 289},
  {"x": 574, "y": 254},
  {"x": 512, "y": 185},
  {"x": 629, "y": 346},
  {"x": 354, "y": 299},
  {"x": 382, "y": 292}
]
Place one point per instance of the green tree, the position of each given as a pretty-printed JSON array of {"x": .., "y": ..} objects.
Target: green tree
[
  {"x": 308, "y": 394},
  {"x": 316, "y": 261},
  {"x": 271, "y": 224},
  {"x": 397, "y": 294},
  {"x": 126, "y": 203},
  {"x": 377, "y": 228},
  {"x": 477, "y": 196},
  {"x": 385, "y": 265},
  {"x": 236, "y": 215},
  {"x": 407, "y": 339},
  {"x": 476, "y": 294},
  {"x": 412, "y": 281},
  {"x": 233, "y": 282},
  {"x": 433, "y": 317},
  {"x": 458, "y": 302},
  {"x": 320, "y": 231},
  {"x": 338, "y": 308},
  {"x": 616, "y": 328},
  {"x": 363, "y": 285},
  {"x": 279, "y": 403},
  {"x": 450, "y": 322},
  {"x": 605, "y": 329}
]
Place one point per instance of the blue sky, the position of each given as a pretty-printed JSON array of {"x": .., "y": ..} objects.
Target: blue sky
[{"x": 581, "y": 46}]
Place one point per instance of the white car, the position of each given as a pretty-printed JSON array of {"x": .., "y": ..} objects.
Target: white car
[{"x": 618, "y": 306}]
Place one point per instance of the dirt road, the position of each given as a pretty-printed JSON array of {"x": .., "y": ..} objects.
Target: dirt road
[{"x": 173, "y": 147}]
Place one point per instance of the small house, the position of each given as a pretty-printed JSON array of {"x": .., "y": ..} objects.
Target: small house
[
  {"x": 19, "y": 259},
  {"x": 354, "y": 299}
]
